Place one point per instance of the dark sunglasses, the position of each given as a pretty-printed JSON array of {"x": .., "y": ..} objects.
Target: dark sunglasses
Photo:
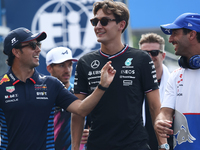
[
  {"x": 154, "y": 52},
  {"x": 104, "y": 21},
  {"x": 33, "y": 45}
]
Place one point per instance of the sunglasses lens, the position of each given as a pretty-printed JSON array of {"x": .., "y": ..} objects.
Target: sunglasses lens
[
  {"x": 94, "y": 21},
  {"x": 32, "y": 45},
  {"x": 154, "y": 52},
  {"x": 104, "y": 21},
  {"x": 38, "y": 44}
]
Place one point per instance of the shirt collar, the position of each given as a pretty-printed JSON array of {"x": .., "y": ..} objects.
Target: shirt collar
[
  {"x": 115, "y": 55},
  {"x": 15, "y": 80}
]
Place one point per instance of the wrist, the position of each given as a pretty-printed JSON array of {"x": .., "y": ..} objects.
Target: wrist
[
  {"x": 102, "y": 88},
  {"x": 164, "y": 146}
]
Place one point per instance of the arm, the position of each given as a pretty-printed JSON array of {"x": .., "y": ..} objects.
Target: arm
[
  {"x": 77, "y": 125},
  {"x": 154, "y": 107},
  {"x": 164, "y": 122},
  {"x": 85, "y": 106}
]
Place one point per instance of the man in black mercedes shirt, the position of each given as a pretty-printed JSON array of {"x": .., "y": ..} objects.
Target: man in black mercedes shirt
[{"x": 116, "y": 122}]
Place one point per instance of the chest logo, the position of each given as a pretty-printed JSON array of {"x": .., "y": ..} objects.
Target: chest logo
[
  {"x": 128, "y": 61},
  {"x": 95, "y": 64},
  {"x": 10, "y": 89},
  {"x": 41, "y": 87}
]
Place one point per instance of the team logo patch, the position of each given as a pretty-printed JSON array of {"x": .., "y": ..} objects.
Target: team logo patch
[
  {"x": 41, "y": 87},
  {"x": 128, "y": 61},
  {"x": 10, "y": 89},
  {"x": 95, "y": 64},
  {"x": 4, "y": 79}
]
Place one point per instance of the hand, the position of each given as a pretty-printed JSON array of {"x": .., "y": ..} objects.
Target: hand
[
  {"x": 85, "y": 136},
  {"x": 107, "y": 74},
  {"x": 162, "y": 128}
]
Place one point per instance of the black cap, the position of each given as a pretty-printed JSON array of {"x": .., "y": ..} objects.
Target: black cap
[{"x": 20, "y": 35}]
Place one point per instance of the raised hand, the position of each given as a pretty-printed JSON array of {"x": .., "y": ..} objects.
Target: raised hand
[{"x": 107, "y": 74}]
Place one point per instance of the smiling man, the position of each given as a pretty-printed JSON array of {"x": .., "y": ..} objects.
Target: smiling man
[
  {"x": 116, "y": 122},
  {"x": 28, "y": 98},
  {"x": 181, "y": 100}
]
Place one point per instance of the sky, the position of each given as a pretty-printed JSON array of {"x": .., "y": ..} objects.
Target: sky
[{"x": 153, "y": 13}]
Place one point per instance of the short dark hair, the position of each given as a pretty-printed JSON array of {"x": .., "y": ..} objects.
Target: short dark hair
[
  {"x": 186, "y": 31},
  {"x": 11, "y": 56},
  {"x": 119, "y": 10},
  {"x": 10, "y": 59}
]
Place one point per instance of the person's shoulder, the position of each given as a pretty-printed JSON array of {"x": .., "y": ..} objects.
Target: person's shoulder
[
  {"x": 89, "y": 54},
  {"x": 138, "y": 54},
  {"x": 42, "y": 77},
  {"x": 137, "y": 51},
  {"x": 5, "y": 78},
  {"x": 178, "y": 70},
  {"x": 53, "y": 80},
  {"x": 177, "y": 73},
  {"x": 89, "y": 57},
  {"x": 2, "y": 76}
]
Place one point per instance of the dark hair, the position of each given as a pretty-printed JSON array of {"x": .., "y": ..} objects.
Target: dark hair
[
  {"x": 10, "y": 59},
  {"x": 186, "y": 31},
  {"x": 11, "y": 56},
  {"x": 118, "y": 9}
]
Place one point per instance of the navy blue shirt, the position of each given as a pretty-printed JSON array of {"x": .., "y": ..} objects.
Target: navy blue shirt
[{"x": 27, "y": 110}]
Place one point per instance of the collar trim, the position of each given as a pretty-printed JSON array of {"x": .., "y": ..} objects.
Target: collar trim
[{"x": 115, "y": 55}]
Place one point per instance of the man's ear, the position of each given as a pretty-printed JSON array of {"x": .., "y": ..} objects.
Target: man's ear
[
  {"x": 163, "y": 55},
  {"x": 192, "y": 35},
  {"x": 122, "y": 24},
  {"x": 49, "y": 69},
  {"x": 16, "y": 52}
]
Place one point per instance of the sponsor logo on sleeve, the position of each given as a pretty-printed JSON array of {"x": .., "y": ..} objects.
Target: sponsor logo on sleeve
[{"x": 4, "y": 79}]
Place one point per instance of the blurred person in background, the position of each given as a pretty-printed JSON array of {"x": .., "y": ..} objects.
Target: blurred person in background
[
  {"x": 154, "y": 44},
  {"x": 59, "y": 63}
]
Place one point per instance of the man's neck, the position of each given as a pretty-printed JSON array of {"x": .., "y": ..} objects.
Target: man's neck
[
  {"x": 112, "y": 48},
  {"x": 67, "y": 85},
  {"x": 22, "y": 73}
]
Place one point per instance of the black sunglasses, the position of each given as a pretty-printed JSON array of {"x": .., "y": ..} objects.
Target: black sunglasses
[
  {"x": 33, "y": 45},
  {"x": 104, "y": 21},
  {"x": 154, "y": 52}
]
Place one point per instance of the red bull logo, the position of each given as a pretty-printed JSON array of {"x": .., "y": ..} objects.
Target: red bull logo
[
  {"x": 181, "y": 130},
  {"x": 4, "y": 79},
  {"x": 41, "y": 87}
]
